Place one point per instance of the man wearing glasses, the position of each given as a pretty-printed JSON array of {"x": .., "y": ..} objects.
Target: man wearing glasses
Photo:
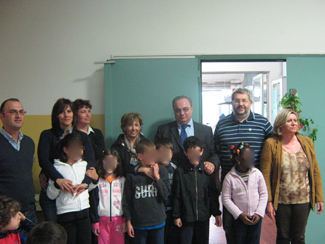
[
  {"x": 183, "y": 127},
  {"x": 242, "y": 125},
  {"x": 16, "y": 158}
]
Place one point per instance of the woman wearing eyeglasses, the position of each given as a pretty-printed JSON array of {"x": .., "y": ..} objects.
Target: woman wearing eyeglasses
[{"x": 62, "y": 124}]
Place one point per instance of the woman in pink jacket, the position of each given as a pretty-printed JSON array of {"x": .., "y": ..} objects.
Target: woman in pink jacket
[{"x": 244, "y": 194}]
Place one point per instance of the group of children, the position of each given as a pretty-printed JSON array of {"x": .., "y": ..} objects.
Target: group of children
[{"x": 167, "y": 205}]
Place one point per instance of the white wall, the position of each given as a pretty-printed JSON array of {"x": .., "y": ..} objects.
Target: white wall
[{"x": 47, "y": 48}]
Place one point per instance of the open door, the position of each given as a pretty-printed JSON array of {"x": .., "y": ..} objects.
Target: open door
[{"x": 148, "y": 86}]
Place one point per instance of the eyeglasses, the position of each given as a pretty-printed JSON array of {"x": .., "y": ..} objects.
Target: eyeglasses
[
  {"x": 15, "y": 112},
  {"x": 244, "y": 101},
  {"x": 179, "y": 110}
]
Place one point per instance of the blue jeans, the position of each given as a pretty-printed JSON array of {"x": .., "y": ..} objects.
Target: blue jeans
[
  {"x": 195, "y": 232},
  {"x": 48, "y": 207},
  {"x": 247, "y": 233},
  {"x": 155, "y": 236}
]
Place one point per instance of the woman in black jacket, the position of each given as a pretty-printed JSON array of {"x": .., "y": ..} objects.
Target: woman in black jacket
[
  {"x": 131, "y": 124},
  {"x": 83, "y": 117},
  {"x": 62, "y": 123}
]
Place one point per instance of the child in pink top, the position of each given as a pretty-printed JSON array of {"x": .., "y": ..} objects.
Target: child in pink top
[{"x": 244, "y": 194}]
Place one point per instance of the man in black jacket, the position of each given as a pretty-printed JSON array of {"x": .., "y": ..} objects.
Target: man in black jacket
[{"x": 184, "y": 126}]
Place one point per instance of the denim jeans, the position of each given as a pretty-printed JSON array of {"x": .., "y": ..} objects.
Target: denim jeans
[
  {"x": 195, "y": 232},
  {"x": 228, "y": 225},
  {"x": 155, "y": 236},
  {"x": 247, "y": 233},
  {"x": 48, "y": 207}
]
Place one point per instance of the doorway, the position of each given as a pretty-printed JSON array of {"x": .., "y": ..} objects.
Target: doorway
[{"x": 265, "y": 80}]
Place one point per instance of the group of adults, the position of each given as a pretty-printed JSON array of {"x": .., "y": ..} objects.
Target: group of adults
[{"x": 287, "y": 160}]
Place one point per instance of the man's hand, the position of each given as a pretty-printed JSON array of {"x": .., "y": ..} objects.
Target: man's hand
[
  {"x": 65, "y": 185},
  {"x": 178, "y": 222},
  {"x": 43, "y": 181},
  {"x": 246, "y": 219},
  {"x": 96, "y": 231},
  {"x": 320, "y": 207},
  {"x": 209, "y": 167},
  {"x": 80, "y": 188},
  {"x": 255, "y": 219},
  {"x": 270, "y": 211},
  {"x": 155, "y": 171},
  {"x": 147, "y": 171},
  {"x": 130, "y": 229},
  {"x": 218, "y": 222},
  {"x": 91, "y": 173}
]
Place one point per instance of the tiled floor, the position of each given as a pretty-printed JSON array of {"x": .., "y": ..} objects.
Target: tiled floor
[{"x": 268, "y": 235}]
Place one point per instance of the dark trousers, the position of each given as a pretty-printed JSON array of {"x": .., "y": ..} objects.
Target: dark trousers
[
  {"x": 291, "y": 221},
  {"x": 195, "y": 232},
  {"x": 171, "y": 230},
  {"x": 228, "y": 225},
  {"x": 247, "y": 233},
  {"x": 155, "y": 236},
  {"x": 77, "y": 226},
  {"x": 48, "y": 207},
  {"x": 31, "y": 215}
]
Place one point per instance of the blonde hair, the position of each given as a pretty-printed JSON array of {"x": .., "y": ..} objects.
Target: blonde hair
[
  {"x": 130, "y": 117},
  {"x": 281, "y": 119}
]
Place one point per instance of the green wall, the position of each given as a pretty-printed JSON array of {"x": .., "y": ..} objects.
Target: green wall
[
  {"x": 307, "y": 75},
  {"x": 148, "y": 86}
]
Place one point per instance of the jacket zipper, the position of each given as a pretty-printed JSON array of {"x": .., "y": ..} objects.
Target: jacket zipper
[
  {"x": 197, "y": 209},
  {"x": 74, "y": 172},
  {"x": 110, "y": 201}
]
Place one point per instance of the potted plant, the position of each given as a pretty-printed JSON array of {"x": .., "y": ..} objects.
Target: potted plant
[{"x": 291, "y": 100}]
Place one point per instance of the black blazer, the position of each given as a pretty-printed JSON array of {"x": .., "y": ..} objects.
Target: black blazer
[
  {"x": 203, "y": 132},
  {"x": 98, "y": 142}
]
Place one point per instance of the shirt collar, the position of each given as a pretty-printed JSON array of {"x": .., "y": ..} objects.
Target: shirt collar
[
  {"x": 190, "y": 124},
  {"x": 90, "y": 130},
  {"x": 250, "y": 117},
  {"x": 9, "y": 137},
  {"x": 63, "y": 132}
]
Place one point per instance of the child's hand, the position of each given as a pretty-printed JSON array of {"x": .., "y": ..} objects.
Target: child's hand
[
  {"x": 155, "y": 171},
  {"x": 123, "y": 229},
  {"x": 95, "y": 231},
  {"x": 130, "y": 229},
  {"x": 255, "y": 219},
  {"x": 79, "y": 188},
  {"x": 147, "y": 171},
  {"x": 246, "y": 219},
  {"x": 218, "y": 221},
  {"x": 91, "y": 173},
  {"x": 43, "y": 181},
  {"x": 22, "y": 217},
  {"x": 178, "y": 222}
]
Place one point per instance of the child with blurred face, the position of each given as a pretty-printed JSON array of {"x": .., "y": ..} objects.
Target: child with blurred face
[
  {"x": 144, "y": 196},
  {"x": 164, "y": 155},
  {"x": 195, "y": 195},
  {"x": 106, "y": 201}
]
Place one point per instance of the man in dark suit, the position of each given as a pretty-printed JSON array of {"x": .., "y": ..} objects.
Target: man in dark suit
[{"x": 183, "y": 127}]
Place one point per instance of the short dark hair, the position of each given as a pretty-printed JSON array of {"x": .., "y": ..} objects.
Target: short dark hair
[
  {"x": 66, "y": 142},
  {"x": 2, "y": 107},
  {"x": 144, "y": 144},
  {"x": 8, "y": 208},
  {"x": 80, "y": 103},
  {"x": 164, "y": 142},
  {"x": 58, "y": 107},
  {"x": 182, "y": 97},
  {"x": 47, "y": 232},
  {"x": 192, "y": 142},
  {"x": 101, "y": 171},
  {"x": 237, "y": 151}
]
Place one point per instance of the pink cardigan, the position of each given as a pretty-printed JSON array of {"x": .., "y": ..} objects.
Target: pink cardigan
[{"x": 239, "y": 198}]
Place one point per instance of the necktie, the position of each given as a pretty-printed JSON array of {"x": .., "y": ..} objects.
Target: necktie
[{"x": 183, "y": 134}]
